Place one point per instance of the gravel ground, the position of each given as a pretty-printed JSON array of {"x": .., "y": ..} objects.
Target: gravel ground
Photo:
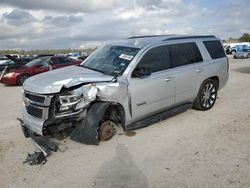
[{"x": 192, "y": 149}]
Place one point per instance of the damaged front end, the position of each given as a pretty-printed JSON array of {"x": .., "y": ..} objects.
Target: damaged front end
[{"x": 76, "y": 112}]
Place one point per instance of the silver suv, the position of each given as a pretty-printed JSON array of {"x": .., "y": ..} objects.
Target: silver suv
[{"x": 132, "y": 83}]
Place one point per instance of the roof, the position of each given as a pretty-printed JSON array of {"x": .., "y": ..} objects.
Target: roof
[{"x": 142, "y": 41}]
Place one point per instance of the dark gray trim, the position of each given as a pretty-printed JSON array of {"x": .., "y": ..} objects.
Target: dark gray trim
[
  {"x": 147, "y": 36},
  {"x": 174, "y": 37},
  {"x": 190, "y": 37},
  {"x": 158, "y": 117}
]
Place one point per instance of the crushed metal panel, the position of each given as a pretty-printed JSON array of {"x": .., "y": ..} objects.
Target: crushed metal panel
[
  {"x": 87, "y": 130},
  {"x": 53, "y": 81},
  {"x": 112, "y": 91}
]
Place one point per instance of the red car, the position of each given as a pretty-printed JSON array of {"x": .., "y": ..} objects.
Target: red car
[{"x": 36, "y": 66}]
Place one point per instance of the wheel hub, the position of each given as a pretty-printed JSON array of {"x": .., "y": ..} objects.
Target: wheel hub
[
  {"x": 206, "y": 95},
  {"x": 107, "y": 130}
]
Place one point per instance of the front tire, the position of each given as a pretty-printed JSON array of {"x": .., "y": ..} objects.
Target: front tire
[
  {"x": 21, "y": 79},
  {"x": 107, "y": 130},
  {"x": 207, "y": 95}
]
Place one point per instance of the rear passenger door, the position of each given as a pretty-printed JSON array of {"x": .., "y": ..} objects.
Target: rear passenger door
[
  {"x": 188, "y": 70},
  {"x": 154, "y": 93}
]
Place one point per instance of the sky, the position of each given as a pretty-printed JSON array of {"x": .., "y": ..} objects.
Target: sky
[{"x": 64, "y": 24}]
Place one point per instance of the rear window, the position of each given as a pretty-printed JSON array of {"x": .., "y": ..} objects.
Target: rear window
[
  {"x": 184, "y": 54},
  {"x": 215, "y": 49}
]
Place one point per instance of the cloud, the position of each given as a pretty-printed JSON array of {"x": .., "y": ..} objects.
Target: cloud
[
  {"x": 62, "y": 21},
  {"x": 28, "y": 24},
  {"x": 62, "y": 5},
  {"x": 18, "y": 17}
]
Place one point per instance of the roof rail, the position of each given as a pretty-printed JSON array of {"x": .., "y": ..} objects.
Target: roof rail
[
  {"x": 190, "y": 37},
  {"x": 147, "y": 36}
]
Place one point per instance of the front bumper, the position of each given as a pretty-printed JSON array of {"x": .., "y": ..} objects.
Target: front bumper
[
  {"x": 44, "y": 144},
  {"x": 9, "y": 80},
  {"x": 32, "y": 123},
  {"x": 39, "y": 126}
]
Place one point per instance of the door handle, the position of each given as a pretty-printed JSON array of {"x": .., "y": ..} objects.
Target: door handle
[
  {"x": 168, "y": 79},
  {"x": 199, "y": 70}
]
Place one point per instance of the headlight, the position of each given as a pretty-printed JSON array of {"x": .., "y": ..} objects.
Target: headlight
[
  {"x": 68, "y": 102},
  {"x": 69, "y": 99},
  {"x": 8, "y": 75},
  {"x": 77, "y": 99}
]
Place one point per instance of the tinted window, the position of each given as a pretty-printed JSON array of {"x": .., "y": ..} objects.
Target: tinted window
[
  {"x": 156, "y": 59},
  {"x": 44, "y": 64},
  {"x": 215, "y": 49},
  {"x": 37, "y": 61},
  {"x": 185, "y": 53},
  {"x": 60, "y": 60}
]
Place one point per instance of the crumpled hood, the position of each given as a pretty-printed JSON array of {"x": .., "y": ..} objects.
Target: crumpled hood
[{"x": 53, "y": 81}]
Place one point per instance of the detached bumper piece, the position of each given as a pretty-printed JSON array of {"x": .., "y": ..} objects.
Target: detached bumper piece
[
  {"x": 44, "y": 146},
  {"x": 87, "y": 130},
  {"x": 36, "y": 158}
]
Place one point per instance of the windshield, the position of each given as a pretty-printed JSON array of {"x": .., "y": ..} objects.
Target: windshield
[
  {"x": 38, "y": 60},
  {"x": 4, "y": 62},
  {"x": 111, "y": 60},
  {"x": 8, "y": 62}
]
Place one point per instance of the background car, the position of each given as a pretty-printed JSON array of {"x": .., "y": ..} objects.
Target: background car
[
  {"x": 242, "y": 55},
  {"x": 38, "y": 65},
  {"x": 10, "y": 64},
  {"x": 3, "y": 59}
]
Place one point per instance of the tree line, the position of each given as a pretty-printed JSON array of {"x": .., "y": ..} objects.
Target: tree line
[
  {"x": 48, "y": 51},
  {"x": 244, "y": 38}
]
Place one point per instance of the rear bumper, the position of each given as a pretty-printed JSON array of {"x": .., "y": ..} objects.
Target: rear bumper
[
  {"x": 223, "y": 80},
  {"x": 241, "y": 56}
]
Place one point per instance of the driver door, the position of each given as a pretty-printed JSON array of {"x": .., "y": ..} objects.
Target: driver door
[
  {"x": 41, "y": 67},
  {"x": 59, "y": 62},
  {"x": 154, "y": 93}
]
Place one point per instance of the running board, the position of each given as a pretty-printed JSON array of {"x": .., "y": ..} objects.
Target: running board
[{"x": 158, "y": 117}]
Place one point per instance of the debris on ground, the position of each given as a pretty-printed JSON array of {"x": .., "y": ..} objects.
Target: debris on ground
[
  {"x": 128, "y": 133},
  {"x": 36, "y": 158}
]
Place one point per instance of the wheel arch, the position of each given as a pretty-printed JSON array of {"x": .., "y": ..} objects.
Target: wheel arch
[
  {"x": 216, "y": 80},
  {"x": 29, "y": 75},
  {"x": 116, "y": 112}
]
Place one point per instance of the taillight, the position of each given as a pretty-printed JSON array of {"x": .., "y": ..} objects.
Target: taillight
[{"x": 227, "y": 64}]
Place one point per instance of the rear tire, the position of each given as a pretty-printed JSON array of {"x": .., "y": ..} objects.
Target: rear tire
[
  {"x": 21, "y": 79},
  {"x": 207, "y": 95}
]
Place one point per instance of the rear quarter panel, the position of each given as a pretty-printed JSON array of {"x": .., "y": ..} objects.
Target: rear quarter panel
[{"x": 214, "y": 67}]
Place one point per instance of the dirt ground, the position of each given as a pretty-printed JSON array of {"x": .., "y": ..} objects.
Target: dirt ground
[{"x": 192, "y": 149}]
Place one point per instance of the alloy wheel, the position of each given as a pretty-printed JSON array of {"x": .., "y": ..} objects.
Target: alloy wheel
[{"x": 208, "y": 96}]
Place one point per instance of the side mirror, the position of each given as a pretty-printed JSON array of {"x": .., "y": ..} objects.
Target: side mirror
[{"x": 140, "y": 72}]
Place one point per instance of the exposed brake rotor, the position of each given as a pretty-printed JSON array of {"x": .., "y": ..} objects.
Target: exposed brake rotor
[{"x": 107, "y": 130}]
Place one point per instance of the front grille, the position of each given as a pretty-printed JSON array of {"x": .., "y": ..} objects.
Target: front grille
[
  {"x": 37, "y": 105},
  {"x": 35, "y": 98},
  {"x": 36, "y": 112}
]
